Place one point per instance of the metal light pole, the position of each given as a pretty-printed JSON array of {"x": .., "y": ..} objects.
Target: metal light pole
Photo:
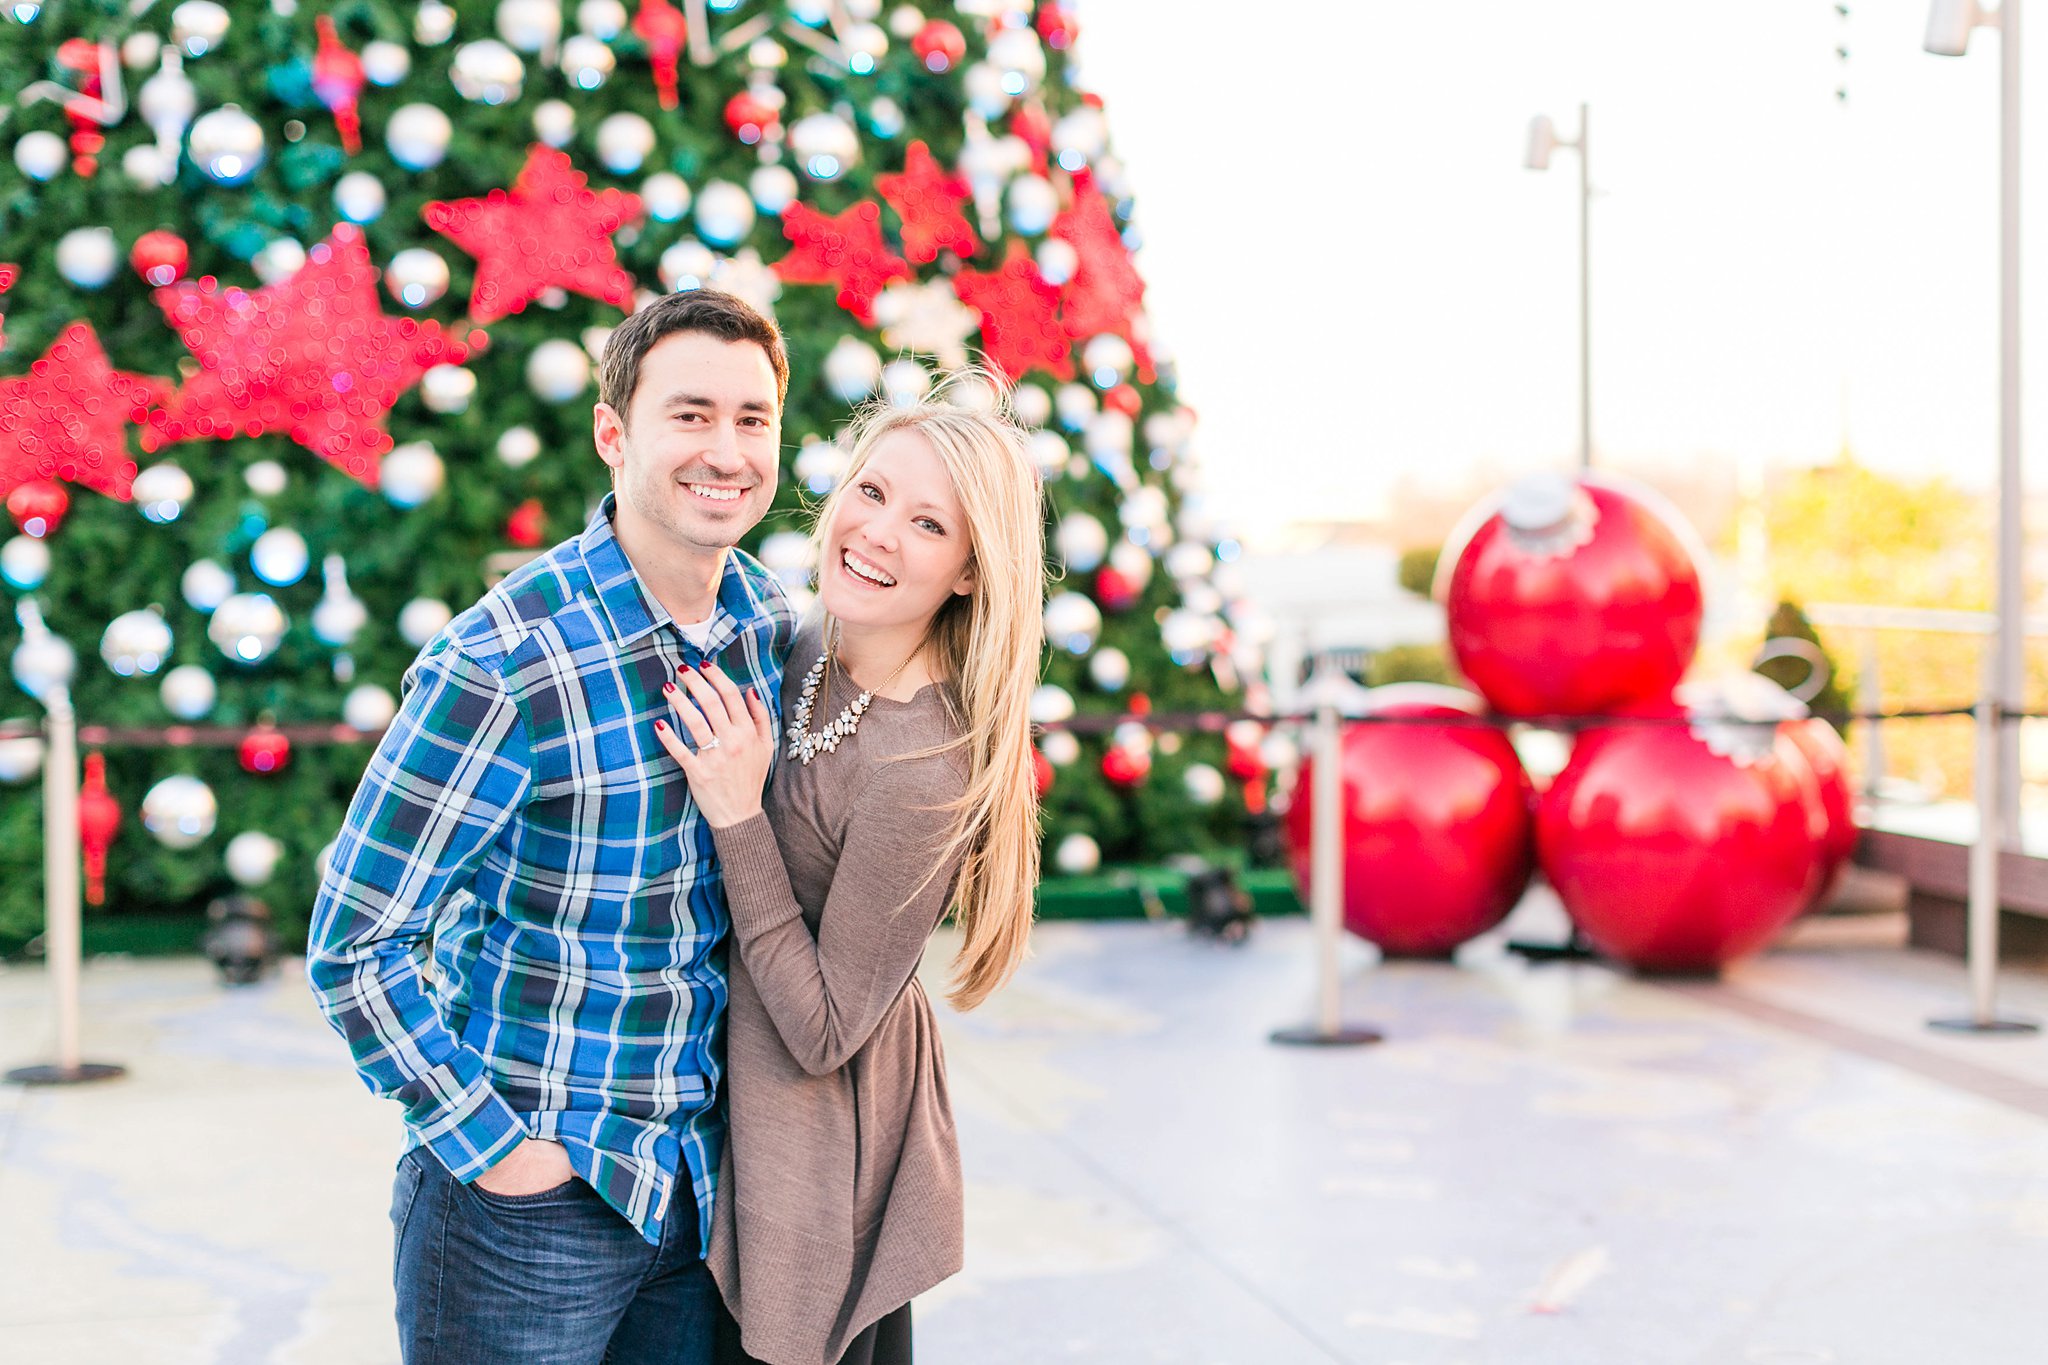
[
  {"x": 1543, "y": 140},
  {"x": 1949, "y": 25}
]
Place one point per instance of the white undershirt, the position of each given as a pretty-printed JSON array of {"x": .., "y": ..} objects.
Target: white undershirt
[{"x": 698, "y": 633}]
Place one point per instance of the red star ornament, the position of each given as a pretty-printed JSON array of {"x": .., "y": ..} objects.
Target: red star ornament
[
  {"x": 1105, "y": 289},
  {"x": 928, "y": 200},
  {"x": 550, "y": 230},
  {"x": 846, "y": 250},
  {"x": 1020, "y": 329},
  {"x": 68, "y": 417},
  {"x": 315, "y": 355}
]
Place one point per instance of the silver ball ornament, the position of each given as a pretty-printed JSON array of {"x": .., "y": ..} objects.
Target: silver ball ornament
[
  {"x": 198, "y": 26},
  {"x": 518, "y": 447},
  {"x": 252, "y": 857},
  {"x": 417, "y": 136},
  {"x": 1109, "y": 668},
  {"x": 87, "y": 257},
  {"x": 1072, "y": 622},
  {"x": 368, "y": 708},
  {"x": 774, "y": 188},
  {"x": 266, "y": 478},
  {"x": 226, "y": 144},
  {"x": 853, "y": 369},
  {"x": 139, "y": 51},
  {"x": 386, "y": 63},
  {"x": 1051, "y": 704},
  {"x": 825, "y": 145},
  {"x": 205, "y": 584},
  {"x": 905, "y": 381},
  {"x": 601, "y": 18},
  {"x": 487, "y": 72},
  {"x": 1081, "y": 540},
  {"x": 1033, "y": 204},
  {"x": 146, "y": 167},
  {"x": 1204, "y": 785},
  {"x": 687, "y": 265},
  {"x": 20, "y": 758},
  {"x": 25, "y": 562},
  {"x": 1031, "y": 404},
  {"x": 279, "y": 259},
  {"x": 554, "y": 122},
  {"x": 666, "y": 195},
  {"x": 359, "y": 197},
  {"x": 530, "y": 25},
  {"x": 411, "y": 474},
  {"x": 135, "y": 642},
  {"x": 558, "y": 370},
  {"x": 623, "y": 142},
  {"x": 247, "y": 628},
  {"x": 1060, "y": 748},
  {"x": 1078, "y": 855},
  {"x": 161, "y": 492},
  {"x": 41, "y": 155},
  {"x": 587, "y": 61},
  {"x": 448, "y": 389},
  {"x": 340, "y": 614},
  {"x": 421, "y": 619},
  {"x": 180, "y": 811},
  {"x": 433, "y": 23},
  {"x": 188, "y": 692},
  {"x": 724, "y": 213}
]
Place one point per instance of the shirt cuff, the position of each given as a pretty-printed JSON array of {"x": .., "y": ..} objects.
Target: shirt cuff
[
  {"x": 757, "y": 889},
  {"x": 472, "y": 1130}
]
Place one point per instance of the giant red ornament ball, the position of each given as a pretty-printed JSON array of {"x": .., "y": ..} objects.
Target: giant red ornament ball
[
  {"x": 1677, "y": 854},
  {"x": 1437, "y": 831},
  {"x": 1572, "y": 598},
  {"x": 314, "y": 356},
  {"x": 550, "y": 230},
  {"x": 1824, "y": 752}
]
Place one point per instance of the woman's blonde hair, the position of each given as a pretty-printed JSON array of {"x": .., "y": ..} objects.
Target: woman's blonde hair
[{"x": 988, "y": 645}]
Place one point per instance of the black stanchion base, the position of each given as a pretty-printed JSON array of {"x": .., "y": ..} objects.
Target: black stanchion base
[
  {"x": 66, "y": 1075},
  {"x": 1984, "y": 1025},
  {"x": 1573, "y": 949},
  {"x": 1308, "y": 1035}
]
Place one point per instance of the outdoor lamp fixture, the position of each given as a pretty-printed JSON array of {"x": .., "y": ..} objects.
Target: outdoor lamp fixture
[
  {"x": 1949, "y": 26},
  {"x": 1543, "y": 140}
]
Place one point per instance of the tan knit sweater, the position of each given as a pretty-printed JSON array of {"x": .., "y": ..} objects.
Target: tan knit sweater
[{"x": 839, "y": 1199}]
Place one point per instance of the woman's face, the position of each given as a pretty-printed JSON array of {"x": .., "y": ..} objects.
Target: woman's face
[{"x": 898, "y": 544}]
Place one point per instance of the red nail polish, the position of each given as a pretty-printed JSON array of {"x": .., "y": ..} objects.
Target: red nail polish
[
  {"x": 659, "y": 726},
  {"x": 668, "y": 689}
]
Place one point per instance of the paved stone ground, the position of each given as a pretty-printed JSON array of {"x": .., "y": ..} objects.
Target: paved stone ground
[{"x": 1781, "y": 1169}]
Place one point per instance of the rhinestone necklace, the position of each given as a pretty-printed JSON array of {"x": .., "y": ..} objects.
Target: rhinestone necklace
[{"x": 805, "y": 743}]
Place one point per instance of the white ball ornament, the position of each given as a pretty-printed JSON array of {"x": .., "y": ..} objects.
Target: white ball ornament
[
  {"x": 1075, "y": 404},
  {"x": 1031, "y": 404},
  {"x": 530, "y": 25},
  {"x": 87, "y": 257},
  {"x": 819, "y": 466},
  {"x": 411, "y": 474},
  {"x": 587, "y": 61},
  {"x": 42, "y": 661},
  {"x": 1049, "y": 451},
  {"x": 25, "y": 562},
  {"x": 20, "y": 758},
  {"x": 1079, "y": 137},
  {"x": 623, "y": 142},
  {"x": 487, "y": 72},
  {"x": 518, "y": 447},
  {"x": 1109, "y": 668},
  {"x": 1133, "y": 562},
  {"x": 386, "y": 63},
  {"x": 198, "y": 26},
  {"x": 866, "y": 44},
  {"x": 226, "y": 144},
  {"x": 905, "y": 381},
  {"x": 765, "y": 54},
  {"x": 1078, "y": 855},
  {"x": 986, "y": 94},
  {"x": 885, "y": 117},
  {"x": 340, "y": 614},
  {"x": 368, "y": 708},
  {"x": 774, "y": 188},
  {"x": 136, "y": 642},
  {"x": 1189, "y": 560},
  {"x": 278, "y": 260},
  {"x": 905, "y": 21},
  {"x": 448, "y": 389},
  {"x": 417, "y": 136},
  {"x": 787, "y": 555},
  {"x": 146, "y": 167},
  {"x": 666, "y": 195},
  {"x": 1082, "y": 541},
  {"x": 1107, "y": 438},
  {"x": 558, "y": 370},
  {"x": 554, "y": 122},
  {"x": 1107, "y": 358},
  {"x": 601, "y": 18},
  {"x": 41, "y": 155},
  {"x": 188, "y": 692},
  {"x": 1060, "y": 748},
  {"x": 1015, "y": 52},
  {"x": 1204, "y": 785},
  {"x": 1187, "y": 635},
  {"x": 853, "y": 369},
  {"x": 1051, "y": 704},
  {"x": 825, "y": 145},
  {"x": 687, "y": 265},
  {"x": 433, "y": 23},
  {"x": 1057, "y": 260},
  {"x": 180, "y": 811},
  {"x": 265, "y": 478},
  {"x": 205, "y": 584},
  {"x": 1072, "y": 622},
  {"x": 359, "y": 197},
  {"x": 280, "y": 557},
  {"x": 161, "y": 492},
  {"x": 252, "y": 857},
  {"x": 421, "y": 619},
  {"x": 139, "y": 51},
  {"x": 724, "y": 213}
]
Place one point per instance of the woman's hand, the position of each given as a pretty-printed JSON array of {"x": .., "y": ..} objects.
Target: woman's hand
[{"x": 732, "y": 742}]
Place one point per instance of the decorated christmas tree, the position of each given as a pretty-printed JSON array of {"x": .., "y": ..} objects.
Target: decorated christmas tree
[{"x": 301, "y": 305}]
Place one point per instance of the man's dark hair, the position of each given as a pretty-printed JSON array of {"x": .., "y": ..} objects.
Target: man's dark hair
[{"x": 696, "y": 310}]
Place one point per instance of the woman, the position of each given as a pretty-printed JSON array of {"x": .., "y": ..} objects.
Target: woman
[{"x": 905, "y": 787}]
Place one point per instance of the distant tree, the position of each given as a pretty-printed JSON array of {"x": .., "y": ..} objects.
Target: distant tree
[
  {"x": 1409, "y": 663},
  {"x": 1418, "y": 569},
  {"x": 1789, "y": 622}
]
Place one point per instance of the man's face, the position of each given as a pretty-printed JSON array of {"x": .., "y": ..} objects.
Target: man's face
[{"x": 698, "y": 449}]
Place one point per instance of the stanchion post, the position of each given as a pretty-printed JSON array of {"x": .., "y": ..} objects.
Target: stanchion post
[
  {"x": 1326, "y": 876},
  {"x": 63, "y": 940},
  {"x": 1983, "y": 926}
]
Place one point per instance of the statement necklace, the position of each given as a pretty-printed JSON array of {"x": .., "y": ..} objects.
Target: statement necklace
[{"x": 805, "y": 743}]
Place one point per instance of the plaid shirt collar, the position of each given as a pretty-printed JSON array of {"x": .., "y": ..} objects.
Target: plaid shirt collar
[{"x": 634, "y": 611}]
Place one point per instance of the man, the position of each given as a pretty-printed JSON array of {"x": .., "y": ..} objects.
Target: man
[{"x": 559, "y": 1061}]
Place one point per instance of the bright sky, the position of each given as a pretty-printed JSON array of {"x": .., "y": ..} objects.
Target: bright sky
[{"x": 1359, "y": 279}]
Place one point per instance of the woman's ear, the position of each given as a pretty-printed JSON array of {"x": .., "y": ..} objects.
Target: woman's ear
[{"x": 964, "y": 585}]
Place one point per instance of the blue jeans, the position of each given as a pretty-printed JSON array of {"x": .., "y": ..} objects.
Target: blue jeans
[{"x": 555, "y": 1278}]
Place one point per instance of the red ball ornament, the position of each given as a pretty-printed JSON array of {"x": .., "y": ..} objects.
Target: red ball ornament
[
  {"x": 1124, "y": 399},
  {"x": 99, "y": 819},
  {"x": 939, "y": 45},
  {"x": 1126, "y": 767},
  {"x": 264, "y": 750},
  {"x": 38, "y": 507},
  {"x": 1056, "y": 25},
  {"x": 1824, "y": 752},
  {"x": 1577, "y": 598},
  {"x": 160, "y": 257},
  {"x": 1677, "y": 854},
  {"x": 527, "y": 527},
  {"x": 1114, "y": 591},
  {"x": 1438, "y": 840},
  {"x": 750, "y": 117},
  {"x": 1041, "y": 772}
]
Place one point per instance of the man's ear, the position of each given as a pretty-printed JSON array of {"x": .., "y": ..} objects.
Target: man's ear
[{"x": 608, "y": 430}]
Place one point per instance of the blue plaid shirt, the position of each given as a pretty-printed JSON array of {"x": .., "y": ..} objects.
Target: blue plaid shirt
[{"x": 520, "y": 817}]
